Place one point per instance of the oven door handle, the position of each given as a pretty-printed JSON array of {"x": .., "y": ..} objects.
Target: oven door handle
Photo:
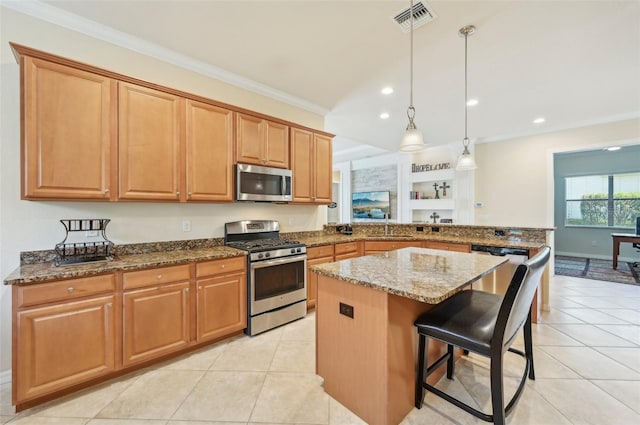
[{"x": 275, "y": 262}]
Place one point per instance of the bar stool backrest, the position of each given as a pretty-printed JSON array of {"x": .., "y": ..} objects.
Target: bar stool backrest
[{"x": 517, "y": 301}]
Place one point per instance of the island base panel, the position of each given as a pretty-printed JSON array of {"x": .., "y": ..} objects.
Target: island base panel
[{"x": 368, "y": 362}]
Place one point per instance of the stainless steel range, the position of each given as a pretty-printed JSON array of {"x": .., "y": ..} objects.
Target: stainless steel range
[{"x": 277, "y": 273}]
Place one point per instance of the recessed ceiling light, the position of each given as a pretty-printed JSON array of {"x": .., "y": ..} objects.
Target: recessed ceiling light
[
  {"x": 538, "y": 120},
  {"x": 613, "y": 148},
  {"x": 384, "y": 115},
  {"x": 387, "y": 90},
  {"x": 472, "y": 102}
]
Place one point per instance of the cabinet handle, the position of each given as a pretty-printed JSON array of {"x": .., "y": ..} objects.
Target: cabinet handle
[
  {"x": 109, "y": 305},
  {"x": 70, "y": 289},
  {"x": 189, "y": 194},
  {"x": 106, "y": 191},
  {"x": 159, "y": 277},
  {"x": 200, "y": 287},
  {"x": 222, "y": 266},
  {"x": 186, "y": 290},
  {"x": 178, "y": 194}
]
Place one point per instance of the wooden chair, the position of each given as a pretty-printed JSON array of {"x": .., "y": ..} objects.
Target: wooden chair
[{"x": 486, "y": 324}]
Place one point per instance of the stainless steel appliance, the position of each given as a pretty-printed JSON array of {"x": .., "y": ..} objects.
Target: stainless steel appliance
[
  {"x": 277, "y": 273},
  {"x": 262, "y": 184}
]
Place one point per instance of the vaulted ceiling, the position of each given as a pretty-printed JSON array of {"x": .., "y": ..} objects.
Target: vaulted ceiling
[{"x": 572, "y": 62}]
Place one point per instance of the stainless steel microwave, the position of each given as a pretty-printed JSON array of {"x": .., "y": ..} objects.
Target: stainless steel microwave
[{"x": 262, "y": 184}]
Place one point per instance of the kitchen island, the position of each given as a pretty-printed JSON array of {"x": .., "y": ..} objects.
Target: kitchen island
[{"x": 365, "y": 339}]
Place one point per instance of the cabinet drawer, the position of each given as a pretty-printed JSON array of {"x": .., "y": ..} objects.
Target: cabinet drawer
[
  {"x": 227, "y": 265},
  {"x": 65, "y": 290},
  {"x": 320, "y": 251},
  {"x": 156, "y": 276},
  {"x": 382, "y": 246},
  {"x": 346, "y": 247},
  {"x": 458, "y": 247}
]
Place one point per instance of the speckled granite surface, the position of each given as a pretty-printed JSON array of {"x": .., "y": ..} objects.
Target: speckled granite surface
[
  {"x": 39, "y": 272},
  {"x": 426, "y": 275},
  {"x": 326, "y": 239},
  {"x": 37, "y": 266}
]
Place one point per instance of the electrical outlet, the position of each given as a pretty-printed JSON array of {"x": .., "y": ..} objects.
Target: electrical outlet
[
  {"x": 435, "y": 229},
  {"x": 186, "y": 225},
  {"x": 594, "y": 243},
  {"x": 91, "y": 233},
  {"x": 420, "y": 229},
  {"x": 292, "y": 221}
]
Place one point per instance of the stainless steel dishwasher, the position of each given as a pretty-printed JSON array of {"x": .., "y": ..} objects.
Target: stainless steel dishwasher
[{"x": 498, "y": 281}]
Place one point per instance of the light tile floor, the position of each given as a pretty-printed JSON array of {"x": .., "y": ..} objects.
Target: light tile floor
[{"x": 587, "y": 359}]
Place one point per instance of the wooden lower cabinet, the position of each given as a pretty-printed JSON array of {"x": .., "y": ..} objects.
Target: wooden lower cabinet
[
  {"x": 373, "y": 247},
  {"x": 155, "y": 322},
  {"x": 61, "y": 345},
  {"x": 316, "y": 255},
  {"x": 221, "y": 298},
  {"x": 347, "y": 250},
  {"x": 447, "y": 246}
]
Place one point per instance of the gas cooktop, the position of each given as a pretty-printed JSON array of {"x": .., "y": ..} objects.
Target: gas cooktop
[{"x": 258, "y": 245}]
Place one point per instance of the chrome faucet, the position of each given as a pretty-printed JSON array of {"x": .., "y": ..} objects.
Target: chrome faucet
[{"x": 386, "y": 224}]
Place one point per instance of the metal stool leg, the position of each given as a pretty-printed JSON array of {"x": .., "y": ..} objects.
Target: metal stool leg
[
  {"x": 421, "y": 372},
  {"x": 497, "y": 391},
  {"x": 528, "y": 346}
]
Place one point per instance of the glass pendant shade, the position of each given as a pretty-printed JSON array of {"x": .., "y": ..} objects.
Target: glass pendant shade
[
  {"x": 466, "y": 161},
  {"x": 412, "y": 140}
]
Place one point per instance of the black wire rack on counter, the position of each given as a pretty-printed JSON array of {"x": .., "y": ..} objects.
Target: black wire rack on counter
[{"x": 68, "y": 253}]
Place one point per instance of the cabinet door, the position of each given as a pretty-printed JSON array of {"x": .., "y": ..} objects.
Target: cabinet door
[
  {"x": 222, "y": 306},
  {"x": 277, "y": 145},
  {"x": 312, "y": 280},
  {"x": 156, "y": 322},
  {"x": 209, "y": 152},
  {"x": 68, "y": 143},
  {"x": 322, "y": 169},
  {"x": 151, "y": 134},
  {"x": 301, "y": 165},
  {"x": 63, "y": 345},
  {"x": 250, "y": 140}
]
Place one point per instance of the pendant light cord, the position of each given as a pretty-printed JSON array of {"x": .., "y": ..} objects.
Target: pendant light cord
[
  {"x": 411, "y": 111},
  {"x": 466, "y": 107}
]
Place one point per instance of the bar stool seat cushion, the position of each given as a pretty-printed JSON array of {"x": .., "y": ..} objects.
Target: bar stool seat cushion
[{"x": 466, "y": 320}]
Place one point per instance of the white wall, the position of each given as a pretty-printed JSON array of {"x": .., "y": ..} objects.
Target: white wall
[
  {"x": 28, "y": 225},
  {"x": 514, "y": 179}
]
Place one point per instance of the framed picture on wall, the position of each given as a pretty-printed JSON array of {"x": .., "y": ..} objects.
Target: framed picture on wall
[{"x": 372, "y": 205}]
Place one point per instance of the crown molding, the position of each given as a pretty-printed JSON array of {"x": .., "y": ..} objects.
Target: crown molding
[{"x": 56, "y": 16}]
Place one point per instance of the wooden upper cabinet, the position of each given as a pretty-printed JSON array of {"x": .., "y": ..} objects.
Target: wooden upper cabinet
[
  {"x": 151, "y": 140},
  {"x": 262, "y": 142},
  {"x": 209, "y": 152},
  {"x": 323, "y": 168},
  {"x": 311, "y": 164},
  {"x": 69, "y": 130}
]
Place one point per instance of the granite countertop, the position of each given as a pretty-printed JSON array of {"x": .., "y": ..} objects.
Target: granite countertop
[
  {"x": 36, "y": 273},
  {"x": 312, "y": 241},
  {"x": 426, "y": 275}
]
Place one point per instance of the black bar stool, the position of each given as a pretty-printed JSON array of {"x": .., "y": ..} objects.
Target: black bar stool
[{"x": 486, "y": 324}]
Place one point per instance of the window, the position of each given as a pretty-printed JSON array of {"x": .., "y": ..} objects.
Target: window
[{"x": 605, "y": 200}]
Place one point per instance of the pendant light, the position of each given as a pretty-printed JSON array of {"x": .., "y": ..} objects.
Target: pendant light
[
  {"x": 465, "y": 160},
  {"x": 412, "y": 140}
]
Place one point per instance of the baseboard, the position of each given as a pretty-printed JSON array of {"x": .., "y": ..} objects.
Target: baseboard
[
  {"x": 5, "y": 376},
  {"x": 599, "y": 257}
]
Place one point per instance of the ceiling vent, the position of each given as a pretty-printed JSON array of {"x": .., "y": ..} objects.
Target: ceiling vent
[{"x": 421, "y": 15}]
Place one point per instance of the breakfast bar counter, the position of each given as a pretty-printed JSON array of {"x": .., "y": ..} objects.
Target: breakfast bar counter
[{"x": 365, "y": 338}]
